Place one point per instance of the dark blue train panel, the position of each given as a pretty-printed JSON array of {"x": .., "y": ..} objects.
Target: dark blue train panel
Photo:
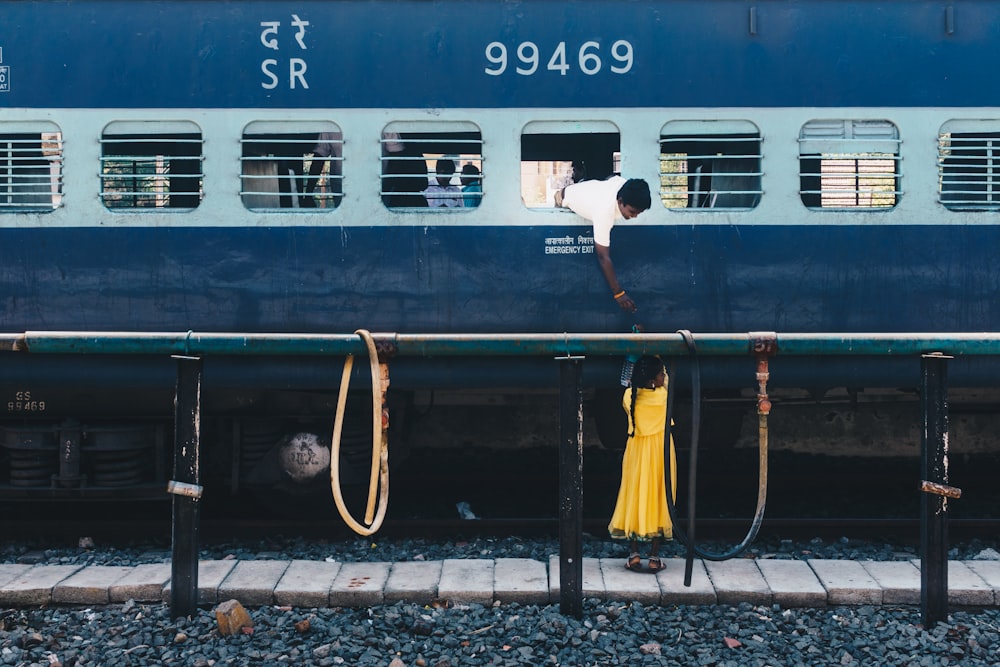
[
  {"x": 494, "y": 53},
  {"x": 482, "y": 279}
]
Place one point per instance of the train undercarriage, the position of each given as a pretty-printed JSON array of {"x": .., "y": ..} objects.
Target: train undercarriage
[{"x": 287, "y": 451}]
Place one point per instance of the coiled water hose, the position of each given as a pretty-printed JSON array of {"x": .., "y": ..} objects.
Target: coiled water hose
[
  {"x": 379, "y": 479},
  {"x": 688, "y": 540}
]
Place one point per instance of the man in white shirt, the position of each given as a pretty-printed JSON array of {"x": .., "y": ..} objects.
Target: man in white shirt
[
  {"x": 443, "y": 193},
  {"x": 603, "y": 203}
]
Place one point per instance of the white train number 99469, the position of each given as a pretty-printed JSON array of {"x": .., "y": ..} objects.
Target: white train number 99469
[{"x": 588, "y": 58}]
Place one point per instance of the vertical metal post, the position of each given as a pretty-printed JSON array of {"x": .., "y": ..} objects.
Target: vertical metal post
[
  {"x": 186, "y": 488},
  {"x": 934, "y": 506},
  {"x": 69, "y": 454},
  {"x": 570, "y": 486}
]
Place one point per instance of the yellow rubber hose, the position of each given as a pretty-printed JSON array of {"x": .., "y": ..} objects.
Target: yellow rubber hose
[{"x": 379, "y": 479}]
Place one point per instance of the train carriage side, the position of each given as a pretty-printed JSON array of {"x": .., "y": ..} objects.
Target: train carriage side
[{"x": 268, "y": 187}]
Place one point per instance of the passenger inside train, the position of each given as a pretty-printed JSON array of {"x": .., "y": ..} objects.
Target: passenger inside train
[
  {"x": 472, "y": 189},
  {"x": 442, "y": 192}
]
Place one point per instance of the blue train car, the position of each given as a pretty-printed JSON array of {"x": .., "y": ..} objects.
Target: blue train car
[{"x": 263, "y": 166}]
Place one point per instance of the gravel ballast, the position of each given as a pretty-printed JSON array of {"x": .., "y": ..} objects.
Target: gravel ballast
[
  {"x": 407, "y": 635},
  {"x": 410, "y": 635}
]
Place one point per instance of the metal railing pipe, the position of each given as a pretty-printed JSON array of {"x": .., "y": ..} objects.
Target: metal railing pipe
[{"x": 527, "y": 344}]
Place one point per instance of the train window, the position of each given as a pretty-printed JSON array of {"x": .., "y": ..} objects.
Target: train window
[
  {"x": 430, "y": 164},
  {"x": 849, "y": 164},
  {"x": 710, "y": 165},
  {"x": 291, "y": 165},
  {"x": 969, "y": 165},
  {"x": 151, "y": 165},
  {"x": 31, "y": 156},
  {"x": 555, "y": 154}
]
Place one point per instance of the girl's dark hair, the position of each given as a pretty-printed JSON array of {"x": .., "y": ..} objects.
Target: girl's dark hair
[{"x": 645, "y": 371}]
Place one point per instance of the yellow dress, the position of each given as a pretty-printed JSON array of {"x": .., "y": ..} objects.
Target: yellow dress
[{"x": 641, "y": 509}]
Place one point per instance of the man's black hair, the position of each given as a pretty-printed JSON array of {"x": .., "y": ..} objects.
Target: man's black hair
[{"x": 635, "y": 193}]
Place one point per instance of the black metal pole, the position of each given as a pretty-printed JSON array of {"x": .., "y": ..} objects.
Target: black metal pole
[
  {"x": 186, "y": 488},
  {"x": 934, "y": 507},
  {"x": 570, "y": 486}
]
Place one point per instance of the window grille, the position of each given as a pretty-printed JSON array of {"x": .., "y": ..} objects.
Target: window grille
[
  {"x": 969, "y": 166},
  {"x": 849, "y": 164},
  {"x": 710, "y": 165},
  {"x": 435, "y": 165},
  {"x": 149, "y": 165},
  {"x": 31, "y": 161},
  {"x": 292, "y": 165}
]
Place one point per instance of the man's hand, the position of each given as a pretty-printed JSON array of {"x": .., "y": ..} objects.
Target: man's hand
[{"x": 626, "y": 303}]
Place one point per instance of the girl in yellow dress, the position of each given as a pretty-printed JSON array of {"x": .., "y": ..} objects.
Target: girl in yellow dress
[{"x": 641, "y": 513}]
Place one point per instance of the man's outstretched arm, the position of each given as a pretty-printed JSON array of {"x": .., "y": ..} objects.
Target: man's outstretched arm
[{"x": 623, "y": 300}]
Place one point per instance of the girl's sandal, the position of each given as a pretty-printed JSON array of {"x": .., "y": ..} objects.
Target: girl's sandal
[
  {"x": 655, "y": 564},
  {"x": 634, "y": 563}
]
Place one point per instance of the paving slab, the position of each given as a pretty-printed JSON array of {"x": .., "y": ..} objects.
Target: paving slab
[
  {"x": 989, "y": 572},
  {"x": 672, "y": 588},
  {"x": 792, "y": 582},
  {"x": 521, "y": 580},
  {"x": 738, "y": 580},
  {"x": 252, "y": 582},
  {"x": 592, "y": 585},
  {"x": 306, "y": 583},
  {"x": 143, "y": 583},
  {"x": 89, "y": 585},
  {"x": 34, "y": 585},
  {"x": 899, "y": 580},
  {"x": 625, "y": 585},
  {"x": 466, "y": 581},
  {"x": 211, "y": 574},
  {"x": 11, "y": 571},
  {"x": 413, "y": 581},
  {"x": 846, "y": 582},
  {"x": 359, "y": 584},
  {"x": 965, "y": 587}
]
